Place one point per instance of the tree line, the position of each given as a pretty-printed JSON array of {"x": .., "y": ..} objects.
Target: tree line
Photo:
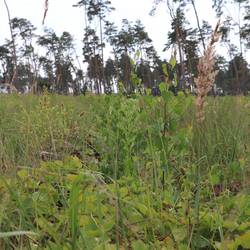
[{"x": 48, "y": 60}]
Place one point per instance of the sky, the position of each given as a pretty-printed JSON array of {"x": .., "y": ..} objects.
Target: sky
[{"x": 62, "y": 16}]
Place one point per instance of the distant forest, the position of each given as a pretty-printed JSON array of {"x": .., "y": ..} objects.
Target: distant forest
[{"x": 49, "y": 60}]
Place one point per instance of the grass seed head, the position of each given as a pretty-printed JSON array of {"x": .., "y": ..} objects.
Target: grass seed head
[{"x": 206, "y": 74}]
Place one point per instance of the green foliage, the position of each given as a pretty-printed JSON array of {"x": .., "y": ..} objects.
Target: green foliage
[
  {"x": 66, "y": 205},
  {"x": 112, "y": 172}
]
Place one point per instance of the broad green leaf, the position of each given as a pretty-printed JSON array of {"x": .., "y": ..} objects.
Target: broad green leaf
[
  {"x": 165, "y": 69},
  {"x": 23, "y": 174},
  {"x": 162, "y": 87},
  {"x": 173, "y": 61},
  {"x": 230, "y": 224},
  {"x": 179, "y": 234},
  {"x": 243, "y": 240},
  {"x": 139, "y": 245},
  {"x": 243, "y": 226},
  {"x": 214, "y": 178}
]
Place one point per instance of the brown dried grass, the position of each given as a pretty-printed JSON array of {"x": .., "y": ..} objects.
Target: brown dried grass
[{"x": 206, "y": 74}]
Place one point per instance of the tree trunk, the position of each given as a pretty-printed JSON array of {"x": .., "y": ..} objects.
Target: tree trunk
[
  {"x": 181, "y": 58},
  {"x": 239, "y": 26},
  {"x": 14, "y": 56},
  {"x": 198, "y": 24},
  {"x": 102, "y": 69}
]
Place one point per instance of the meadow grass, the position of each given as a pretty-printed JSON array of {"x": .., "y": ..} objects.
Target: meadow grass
[{"x": 110, "y": 172}]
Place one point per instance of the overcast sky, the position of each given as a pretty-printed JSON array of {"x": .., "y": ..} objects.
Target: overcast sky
[{"x": 63, "y": 17}]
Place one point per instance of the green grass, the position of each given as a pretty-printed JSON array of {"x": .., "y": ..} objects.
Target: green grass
[{"x": 110, "y": 172}]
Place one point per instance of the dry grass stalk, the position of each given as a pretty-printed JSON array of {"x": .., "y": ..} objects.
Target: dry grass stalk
[{"x": 206, "y": 74}]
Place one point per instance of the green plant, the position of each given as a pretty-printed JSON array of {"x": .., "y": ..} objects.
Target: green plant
[{"x": 124, "y": 174}]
